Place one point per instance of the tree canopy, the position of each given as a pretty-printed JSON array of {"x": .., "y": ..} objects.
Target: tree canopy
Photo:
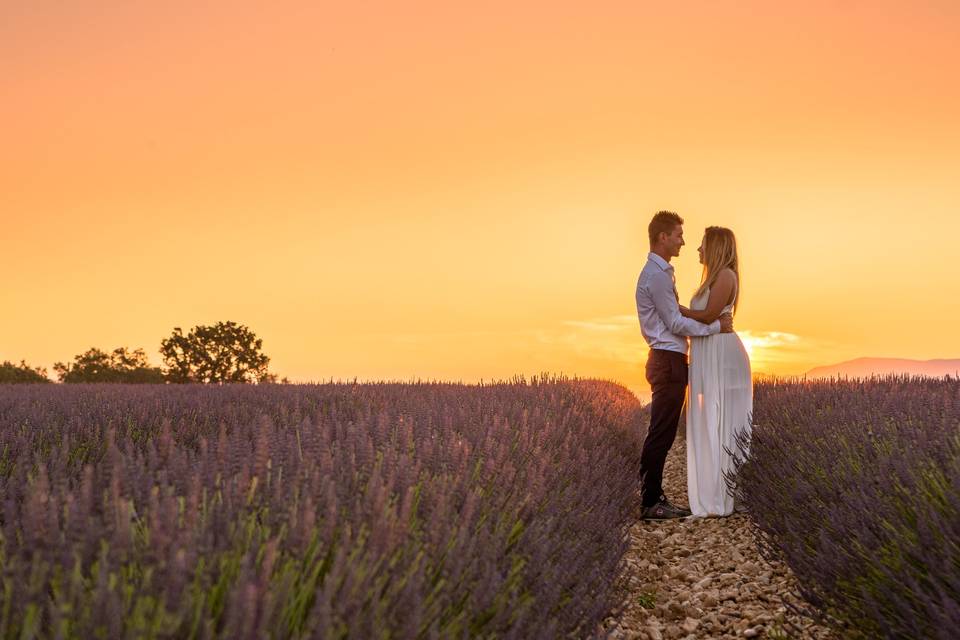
[
  {"x": 121, "y": 365},
  {"x": 224, "y": 352},
  {"x": 22, "y": 373}
]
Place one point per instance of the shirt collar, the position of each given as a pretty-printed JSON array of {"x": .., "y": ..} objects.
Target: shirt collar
[{"x": 660, "y": 262}]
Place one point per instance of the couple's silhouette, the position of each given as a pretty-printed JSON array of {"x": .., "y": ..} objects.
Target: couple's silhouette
[{"x": 720, "y": 398}]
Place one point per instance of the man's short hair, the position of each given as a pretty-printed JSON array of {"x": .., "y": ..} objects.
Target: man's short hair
[{"x": 663, "y": 222}]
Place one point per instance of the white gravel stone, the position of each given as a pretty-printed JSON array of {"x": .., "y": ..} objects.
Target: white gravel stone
[{"x": 708, "y": 576}]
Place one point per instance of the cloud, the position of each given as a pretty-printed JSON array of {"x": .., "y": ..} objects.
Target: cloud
[
  {"x": 610, "y": 338},
  {"x": 768, "y": 338},
  {"x": 765, "y": 343},
  {"x": 608, "y": 324},
  {"x": 618, "y": 338},
  {"x": 615, "y": 338},
  {"x": 611, "y": 347},
  {"x": 783, "y": 353}
]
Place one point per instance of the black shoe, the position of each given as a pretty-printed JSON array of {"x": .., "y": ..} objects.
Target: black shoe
[
  {"x": 685, "y": 511},
  {"x": 663, "y": 510}
]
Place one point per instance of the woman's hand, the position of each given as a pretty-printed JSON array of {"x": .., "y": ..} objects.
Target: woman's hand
[{"x": 685, "y": 312}]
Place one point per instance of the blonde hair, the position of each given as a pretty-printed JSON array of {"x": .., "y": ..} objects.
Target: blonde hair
[{"x": 719, "y": 253}]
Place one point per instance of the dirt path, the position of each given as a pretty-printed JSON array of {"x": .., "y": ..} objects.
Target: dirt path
[{"x": 703, "y": 578}]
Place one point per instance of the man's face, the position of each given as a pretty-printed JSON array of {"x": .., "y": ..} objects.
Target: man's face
[{"x": 673, "y": 241}]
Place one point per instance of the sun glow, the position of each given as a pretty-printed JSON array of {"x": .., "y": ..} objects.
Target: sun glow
[
  {"x": 768, "y": 348},
  {"x": 385, "y": 195},
  {"x": 613, "y": 347}
]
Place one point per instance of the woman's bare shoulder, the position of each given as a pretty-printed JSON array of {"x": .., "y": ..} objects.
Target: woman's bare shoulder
[{"x": 727, "y": 275}]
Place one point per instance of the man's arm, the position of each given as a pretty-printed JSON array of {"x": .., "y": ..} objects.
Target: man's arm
[{"x": 661, "y": 291}]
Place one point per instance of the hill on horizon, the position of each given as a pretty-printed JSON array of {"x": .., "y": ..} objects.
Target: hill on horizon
[{"x": 866, "y": 367}]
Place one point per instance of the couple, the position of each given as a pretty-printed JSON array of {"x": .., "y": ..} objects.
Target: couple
[{"x": 720, "y": 399}]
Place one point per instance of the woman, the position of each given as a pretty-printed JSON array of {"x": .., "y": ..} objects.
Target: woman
[{"x": 720, "y": 399}]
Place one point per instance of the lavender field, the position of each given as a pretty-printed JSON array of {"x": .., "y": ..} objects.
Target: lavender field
[
  {"x": 856, "y": 485},
  {"x": 328, "y": 511},
  {"x": 444, "y": 510}
]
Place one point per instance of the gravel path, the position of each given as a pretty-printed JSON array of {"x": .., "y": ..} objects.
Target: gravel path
[{"x": 703, "y": 578}]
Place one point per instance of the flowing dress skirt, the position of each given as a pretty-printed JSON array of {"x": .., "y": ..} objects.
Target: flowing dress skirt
[{"x": 719, "y": 404}]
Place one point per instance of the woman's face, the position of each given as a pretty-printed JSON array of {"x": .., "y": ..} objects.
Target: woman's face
[{"x": 700, "y": 248}]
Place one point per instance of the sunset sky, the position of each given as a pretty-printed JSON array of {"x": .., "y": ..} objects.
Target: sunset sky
[{"x": 451, "y": 190}]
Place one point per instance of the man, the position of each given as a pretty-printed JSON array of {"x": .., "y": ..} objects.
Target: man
[{"x": 665, "y": 330}]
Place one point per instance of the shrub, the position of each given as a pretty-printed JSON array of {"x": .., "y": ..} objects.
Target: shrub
[{"x": 856, "y": 485}]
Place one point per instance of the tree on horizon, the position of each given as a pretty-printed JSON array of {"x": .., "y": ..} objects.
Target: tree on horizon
[
  {"x": 222, "y": 353},
  {"x": 23, "y": 373},
  {"x": 122, "y": 365}
]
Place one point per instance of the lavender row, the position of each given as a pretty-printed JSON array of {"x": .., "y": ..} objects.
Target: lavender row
[
  {"x": 330, "y": 511},
  {"x": 856, "y": 485}
]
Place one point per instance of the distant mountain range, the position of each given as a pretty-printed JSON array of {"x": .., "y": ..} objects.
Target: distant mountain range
[{"x": 866, "y": 367}]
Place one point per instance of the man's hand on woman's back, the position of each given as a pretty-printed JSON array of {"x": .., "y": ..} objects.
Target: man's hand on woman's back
[{"x": 726, "y": 323}]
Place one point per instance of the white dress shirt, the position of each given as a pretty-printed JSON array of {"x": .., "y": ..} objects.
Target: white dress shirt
[{"x": 658, "y": 306}]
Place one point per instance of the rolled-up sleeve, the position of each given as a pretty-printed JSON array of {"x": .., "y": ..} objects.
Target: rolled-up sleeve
[{"x": 665, "y": 302}]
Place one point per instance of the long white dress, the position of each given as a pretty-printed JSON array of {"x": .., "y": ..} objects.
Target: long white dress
[{"x": 719, "y": 404}]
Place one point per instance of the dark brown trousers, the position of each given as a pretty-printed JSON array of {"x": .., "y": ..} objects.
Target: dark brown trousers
[{"x": 667, "y": 375}]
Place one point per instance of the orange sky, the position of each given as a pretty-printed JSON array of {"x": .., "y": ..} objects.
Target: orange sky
[{"x": 444, "y": 190}]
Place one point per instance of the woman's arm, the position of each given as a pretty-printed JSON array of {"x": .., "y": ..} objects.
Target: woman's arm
[{"x": 719, "y": 297}]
